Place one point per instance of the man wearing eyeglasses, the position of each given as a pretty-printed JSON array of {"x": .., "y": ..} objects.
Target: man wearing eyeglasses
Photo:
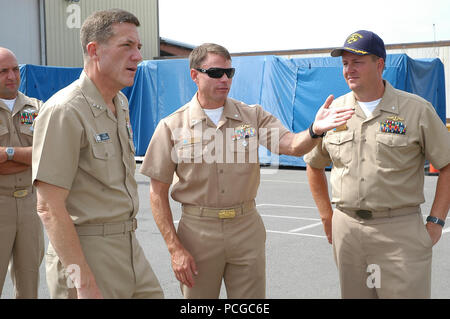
[{"x": 211, "y": 143}]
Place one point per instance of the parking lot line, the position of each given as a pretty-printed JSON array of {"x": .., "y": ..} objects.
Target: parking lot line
[
  {"x": 287, "y": 206},
  {"x": 305, "y": 227},
  {"x": 295, "y": 234},
  {"x": 290, "y": 217},
  {"x": 280, "y": 181}
]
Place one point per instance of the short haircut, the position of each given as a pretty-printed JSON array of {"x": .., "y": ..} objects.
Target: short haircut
[
  {"x": 199, "y": 54},
  {"x": 99, "y": 25}
]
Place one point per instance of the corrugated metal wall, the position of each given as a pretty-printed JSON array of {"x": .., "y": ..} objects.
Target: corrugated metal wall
[
  {"x": 19, "y": 25},
  {"x": 442, "y": 53},
  {"x": 62, "y": 27}
]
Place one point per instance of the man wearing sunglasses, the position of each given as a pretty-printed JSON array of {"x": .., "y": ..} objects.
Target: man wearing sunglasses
[{"x": 211, "y": 143}]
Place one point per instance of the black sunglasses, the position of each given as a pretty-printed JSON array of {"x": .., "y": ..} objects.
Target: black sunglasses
[{"x": 217, "y": 73}]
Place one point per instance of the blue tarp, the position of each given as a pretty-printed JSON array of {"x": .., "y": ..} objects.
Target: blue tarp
[{"x": 291, "y": 89}]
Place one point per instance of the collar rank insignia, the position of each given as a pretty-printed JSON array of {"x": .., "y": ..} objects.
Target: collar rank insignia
[
  {"x": 243, "y": 131},
  {"x": 393, "y": 124},
  {"x": 28, "y": 116},
  {"x": 129, "y": 128}
]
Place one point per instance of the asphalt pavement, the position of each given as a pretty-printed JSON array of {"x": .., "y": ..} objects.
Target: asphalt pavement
[{"x": 300, "y": 262}]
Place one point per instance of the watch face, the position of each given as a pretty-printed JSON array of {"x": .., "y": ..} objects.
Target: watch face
[{"x": 10, "y": 153}]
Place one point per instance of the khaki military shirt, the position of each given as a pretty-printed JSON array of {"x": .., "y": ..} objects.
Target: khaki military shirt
[
  {"x": 81, "y": 146},
  {"x": 16, "y": 130},
  {"x": 217, "y": 166},
  {"x": 378, "y": 162}
]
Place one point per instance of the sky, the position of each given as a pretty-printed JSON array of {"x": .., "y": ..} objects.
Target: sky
[{"x": 272, "y": 25}]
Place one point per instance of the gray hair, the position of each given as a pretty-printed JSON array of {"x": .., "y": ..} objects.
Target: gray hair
[{"x": 98, "y": 26}]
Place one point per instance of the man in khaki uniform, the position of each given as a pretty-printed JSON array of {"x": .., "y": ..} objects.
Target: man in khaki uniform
[
  {"x": 381, "y": 246},
  {"x": 211, "y": 143},
  {"x": 83, "y": 166},
  {"x": 21, "y": 234}
]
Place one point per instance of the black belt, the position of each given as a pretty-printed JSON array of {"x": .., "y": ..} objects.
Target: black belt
[{"x": 367, "y": 214}]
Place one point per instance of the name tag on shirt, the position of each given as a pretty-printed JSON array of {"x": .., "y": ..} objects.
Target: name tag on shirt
[{"x": 102, "y": 137}]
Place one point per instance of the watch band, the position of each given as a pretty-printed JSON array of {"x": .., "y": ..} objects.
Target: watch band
[
  {"x": 10, "y": 153},
  {"x": 436, "y": 220},
  {"x": 312, "y": 134}
]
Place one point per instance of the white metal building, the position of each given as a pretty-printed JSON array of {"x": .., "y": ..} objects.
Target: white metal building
[{"x": 47, "y": 32}]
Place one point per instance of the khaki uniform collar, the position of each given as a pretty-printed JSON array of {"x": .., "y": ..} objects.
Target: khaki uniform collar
[
  {"x": 197, "y": 114},
  {"x": 21, "y": 102},
  {"x": 95, "y": 99},
  {"x": 388, "y": 103},
  {"x": 4, "y": 106}
]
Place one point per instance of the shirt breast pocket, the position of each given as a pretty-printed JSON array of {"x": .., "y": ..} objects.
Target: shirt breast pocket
[
  {"x": 392, "y": 150},
  {"x": 340, "y": 147},
  {"x": 244, "y": 150},
  {"x": 103, "y": 151},
  {"x": 3, "y": 130},
  {"x": 26, "y": 135},
  {"x": 191, "y": 153}
]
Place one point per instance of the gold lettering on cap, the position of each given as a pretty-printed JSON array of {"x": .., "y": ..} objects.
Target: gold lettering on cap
[{"x": 354, "y": 37}]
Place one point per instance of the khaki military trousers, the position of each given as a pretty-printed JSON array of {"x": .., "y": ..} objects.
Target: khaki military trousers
[
  {"x": 118, "y": 263},
  {"x": 21, "y": 243},
  {"x": 229, "y": 249},
  {"x": 382, "y": 257}
]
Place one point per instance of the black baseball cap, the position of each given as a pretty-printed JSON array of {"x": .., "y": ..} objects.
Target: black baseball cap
[{"x": 362, "y": 42}]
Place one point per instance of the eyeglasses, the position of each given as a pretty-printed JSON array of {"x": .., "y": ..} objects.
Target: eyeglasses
[{"x": 217, "y": 73}]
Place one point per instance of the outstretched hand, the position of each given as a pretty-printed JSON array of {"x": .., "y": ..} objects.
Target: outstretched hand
[{"x": 327, "y": 119}]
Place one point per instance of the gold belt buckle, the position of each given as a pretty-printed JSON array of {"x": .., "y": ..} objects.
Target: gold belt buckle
[
  {"x": 227, "y": 213},
  {"x": 20, "y": 193}
]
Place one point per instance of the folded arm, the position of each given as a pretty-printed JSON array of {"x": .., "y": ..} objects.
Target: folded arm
[{"x": 20, "y": 162}]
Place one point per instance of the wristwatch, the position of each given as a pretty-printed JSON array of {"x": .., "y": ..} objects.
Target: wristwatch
[
  {"x": 10, "y": 153},
  {"x": 312, "y": 134},
  {"x": 435, "y": 220}
]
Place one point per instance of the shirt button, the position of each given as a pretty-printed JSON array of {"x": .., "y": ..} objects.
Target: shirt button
[
  {"x": 222, "y": 191},
  {"x": 221, "y": 171},
  {"x": 362, "y": 179}
]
